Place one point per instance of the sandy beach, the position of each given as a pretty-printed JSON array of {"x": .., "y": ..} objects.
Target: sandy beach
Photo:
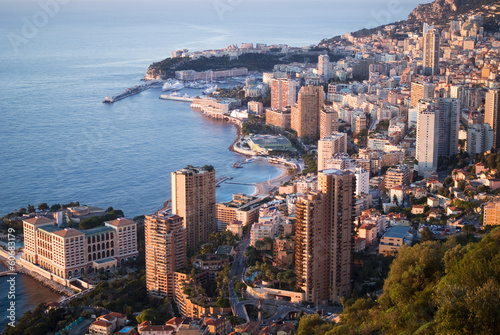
[{"x": 264, "y": 187}]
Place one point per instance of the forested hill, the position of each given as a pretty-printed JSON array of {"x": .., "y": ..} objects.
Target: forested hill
[{"x": 434, "y": 288}]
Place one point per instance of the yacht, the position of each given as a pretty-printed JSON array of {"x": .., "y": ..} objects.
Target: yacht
[{"x": 209, "y": 90}]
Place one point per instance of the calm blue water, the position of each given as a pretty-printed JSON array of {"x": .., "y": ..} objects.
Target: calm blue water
[
  {"x": 59, "y": 143},
  {"x": 28, "y": 294}
]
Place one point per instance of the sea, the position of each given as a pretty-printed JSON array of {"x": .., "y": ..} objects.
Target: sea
[{"x": 60, "y": 58}]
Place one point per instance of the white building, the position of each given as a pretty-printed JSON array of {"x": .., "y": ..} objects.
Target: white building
[
  {"x": 427, "y": 139},
  {"x": 362, "y": 181},
  {"x": 479, "y": 138},
  {"x": 260, "y": 230}
]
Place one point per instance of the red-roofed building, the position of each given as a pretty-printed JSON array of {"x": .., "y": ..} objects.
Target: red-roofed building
[
  {"x": 452, "y": 210},
  {"x": 217, "y": 326},
  {"x": 249, "y": 328},
  {"x": 156, "y": 330},
  {"x": 101, "y": 328},
  {"x": 417, "y": 209},
  {"x": 434, "y": 184}
]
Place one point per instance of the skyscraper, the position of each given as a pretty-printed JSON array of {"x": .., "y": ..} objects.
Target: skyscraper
[
  {"x": 449, "y": 119},
  {"x": 193, "y": 199},
  {"x": 312, "y": 256},
  {"x": 328, "y": 146},
  {"x": 323, "y": 65},
  {"x": 324, "y": 237},
  {"x": 427, "y": 138},
  {"x": 165, "y": 252},
  {"x": 305, "y": 113},
  {"x": 283, "y": 93},
  {"x": 431, "y": 52},
  {"x": 339, "y": 188},
  {"x": 492, "y": 115}
]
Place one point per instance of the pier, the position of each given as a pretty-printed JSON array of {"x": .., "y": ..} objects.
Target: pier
[
  {"x": 238, "y": 164},
  {"x": 131, "y": 91},
  {"x": 221, "y": 180},
  {"x": 236, "y": 183}
]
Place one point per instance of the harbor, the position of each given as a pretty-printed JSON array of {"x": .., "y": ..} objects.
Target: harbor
[{"x": 131, "y": 91}]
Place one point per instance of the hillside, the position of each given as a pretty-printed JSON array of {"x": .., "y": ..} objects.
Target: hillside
[
  {"x": 254, "y": 62},
  {"x": 440, "y": 12},
  {"x": 434, "y": 288}
]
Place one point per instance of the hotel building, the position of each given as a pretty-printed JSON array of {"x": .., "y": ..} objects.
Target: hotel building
[{"x": 67, "y": 253}]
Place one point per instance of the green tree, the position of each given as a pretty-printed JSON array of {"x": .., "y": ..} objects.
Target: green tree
[
  {"x": 43, "y": 207},
  {"x": 426, "y": 235},
  {"x": 313, "y": 325},
  {"x": 259, "y": 245},
  {"x": 268, "y": 242},
  {"x": 207, "y": 248},
  {"x": 157, "y": 316},
  {"x": 448, "y": 180},
  {"x": 55, "y": 207},
  {"x": 469, "y": 229},
  {"x": 468, "y": 298},
  {"x": 31, "y": 209}
]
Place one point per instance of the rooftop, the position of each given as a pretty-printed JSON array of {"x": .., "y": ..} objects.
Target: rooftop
[
  {"x": 49, "y": 229},
  {"x": 224, "y": 249},
  {"x": 397, "y": 232},
  {"x": 120, "y": 222},
  {"x": 39, "y": 220},
  {"x": 98, "y": 231},
  {"x": 68, "y": 232},
  {"x": 269, "y": 140},
  {"x": 335, "y": 172}
]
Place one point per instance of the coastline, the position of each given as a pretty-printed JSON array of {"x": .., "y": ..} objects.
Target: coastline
[
  {"x": 238, "y": 137},
  {"x": 264, "y": 187},
  {"x": 54, "y": 286}
]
